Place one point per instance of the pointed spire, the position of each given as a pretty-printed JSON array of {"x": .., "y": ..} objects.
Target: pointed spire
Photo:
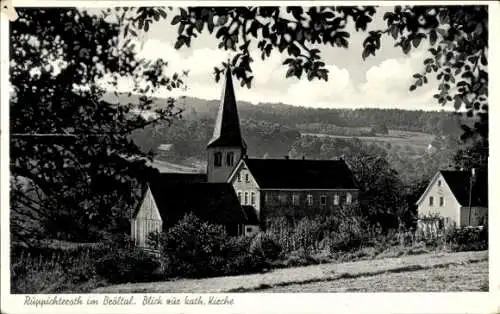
[{"x": 227, "y": 131}]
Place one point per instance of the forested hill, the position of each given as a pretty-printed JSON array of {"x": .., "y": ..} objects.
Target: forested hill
[
  {"x": 433, "y": 122},
  {"x": 274, "y": 130}
]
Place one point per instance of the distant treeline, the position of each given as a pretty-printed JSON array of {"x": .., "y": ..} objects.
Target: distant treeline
[{"x": 434, "y": 122}]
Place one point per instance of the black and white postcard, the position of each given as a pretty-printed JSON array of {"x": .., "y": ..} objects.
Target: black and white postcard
[{"x": 241, "y": 157}]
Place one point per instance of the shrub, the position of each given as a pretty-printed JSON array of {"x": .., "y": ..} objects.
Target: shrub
[
  {"x": 240, "y": 259},
  {"x": 54, "y": 269},
  {"x": 351, "y": 234},
  {"x": 265, "y": 245},
  {"x": 192, "y": 248},
  {"x": 127, "y": 265},
  {"x": 467, "y": 238}
]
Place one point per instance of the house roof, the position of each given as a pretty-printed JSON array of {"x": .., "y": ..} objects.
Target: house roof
[
  {"x": 459, "y": 183},
  {"x": 213, "y": 202},
  {"x": 301, "y": 174},
  {"x": 227, "y": 124}
]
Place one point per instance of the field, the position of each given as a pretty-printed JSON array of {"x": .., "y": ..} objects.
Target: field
[
  {"x": 464, "y": 277},
  {"x": 418, "y": 140},
  {"x": 463, "y": 271}
]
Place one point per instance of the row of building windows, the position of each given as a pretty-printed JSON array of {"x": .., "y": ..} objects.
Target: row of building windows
[
  {"x": 218, "y": 159},
  {"x": 431, "y": 201},
  {"x": 283, "y": 198},
  {"x": 245, "y": 200},
  {"x": 247, "y": 178}
]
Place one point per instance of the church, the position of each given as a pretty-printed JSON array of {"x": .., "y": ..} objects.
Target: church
[{"x": 237, "y": 191}]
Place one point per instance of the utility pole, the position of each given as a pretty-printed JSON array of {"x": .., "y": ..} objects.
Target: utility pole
[{"x": 473, "y": 173}]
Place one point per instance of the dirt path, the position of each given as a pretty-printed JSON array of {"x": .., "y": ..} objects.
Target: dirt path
[{"x": 308, "y": 275}]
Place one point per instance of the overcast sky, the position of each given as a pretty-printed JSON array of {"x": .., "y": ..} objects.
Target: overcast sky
[{"x": 380, "y": 81}]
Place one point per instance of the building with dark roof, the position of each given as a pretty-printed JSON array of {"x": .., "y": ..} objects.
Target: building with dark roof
[
  {"x": 164, "y": 204},
  {"x": 240, "y": 192},
  {"x": 460, "y": 197}
]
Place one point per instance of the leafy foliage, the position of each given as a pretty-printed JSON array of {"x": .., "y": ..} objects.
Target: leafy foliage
[
  {"x": 458, "y": 39},
  {"x": 457, "y": 35},
  {"x": 193, "y": 248},
  {"x": 67, "y": 142},
  {"x": 127, "y": 265}
]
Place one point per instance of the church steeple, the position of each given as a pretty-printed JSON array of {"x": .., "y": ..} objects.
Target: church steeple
[
  {"x": 227, "y": 131},
  {"x": 227, "y": 146}
]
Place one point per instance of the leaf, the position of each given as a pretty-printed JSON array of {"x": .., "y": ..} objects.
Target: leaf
[
  {"x": 180, "y": 41},
  {"x": 176, "y": 20},
  {"x": 199, "y": 25},
  {"x": 432, "y": 37},
  {"x": 416, "y": 41}
]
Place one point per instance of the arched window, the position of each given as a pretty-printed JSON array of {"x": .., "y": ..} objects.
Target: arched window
[
  {"x": 230, "y": 158},
  {"x": 309, "y": 199},
  {"x": 218, "y": 159},
  {"x": 348, "y": 198}
]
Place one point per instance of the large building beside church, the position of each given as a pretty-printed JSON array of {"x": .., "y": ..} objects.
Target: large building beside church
[{"x": 237, "y": 191}]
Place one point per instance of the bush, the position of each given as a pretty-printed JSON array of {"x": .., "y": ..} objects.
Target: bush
[
  {"x": 351, "y": 234},
  {"x": 192, "y": 248},
  {"x": 240, "y": 259},
  {"x": 54, "y": 269},
  {"x": 468, "y": 238},
  {"x": 122, "y": 265},
  {"x": 265, "y": 245}
]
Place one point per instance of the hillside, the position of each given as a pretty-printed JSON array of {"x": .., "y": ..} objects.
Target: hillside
[{"x": 409, "y": 139}]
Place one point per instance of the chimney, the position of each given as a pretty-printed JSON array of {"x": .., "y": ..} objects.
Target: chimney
[
  {"x": 303, "y": 157},
  {"x": 287, "y": 157}
]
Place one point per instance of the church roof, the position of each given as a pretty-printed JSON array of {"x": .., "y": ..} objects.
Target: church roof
[
  {"x": 301, "y": 174},
  {"x": 459, "y": 183},
  {"x": 213, "y": 202},
  {"x": 227, "y": 125}
]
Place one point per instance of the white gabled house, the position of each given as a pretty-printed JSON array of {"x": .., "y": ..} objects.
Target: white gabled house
[{"x": 460, "y": 197}]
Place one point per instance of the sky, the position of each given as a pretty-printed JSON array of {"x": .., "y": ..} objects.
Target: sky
[{"x": 379, "y": 82}]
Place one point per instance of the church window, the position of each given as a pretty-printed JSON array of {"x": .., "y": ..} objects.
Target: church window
[
  {"x": 323, "y": 200},
  {"x": 238, "y": 177},
  {"x": 348, "y": 198},
  {"x": 336, "y": 199},
  {"x": 246, "y": 198},
  {"x": 252, "y": 198},
  {"x": 295, "y": 199},
  {"x": 230, "y": 158},
  {"x": 218, "y": 159},
  {"x": 247, "y": 179},
  {"x": 309, "y": 199},
  {"x": 441, "y": 201},
  {"x": 439, "y": 182},
  {"x": 431, "y": 201},
  {"x": 239, "y": 196}
]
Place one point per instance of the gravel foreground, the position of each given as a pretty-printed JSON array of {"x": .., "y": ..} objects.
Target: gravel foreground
[{"x": 462, "y": 271}]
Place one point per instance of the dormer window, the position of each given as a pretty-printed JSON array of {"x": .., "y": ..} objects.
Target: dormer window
[
  {"x": 247, "y": 179},
  {"x": 230, "y": 158},
  {"x": 217, "y": 159}
]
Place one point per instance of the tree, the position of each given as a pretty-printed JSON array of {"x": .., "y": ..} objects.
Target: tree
[
  {"x": 457, "y": 35},
  {"x": 65, "y": 140},
  {"x": 380, "y": 189}
]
